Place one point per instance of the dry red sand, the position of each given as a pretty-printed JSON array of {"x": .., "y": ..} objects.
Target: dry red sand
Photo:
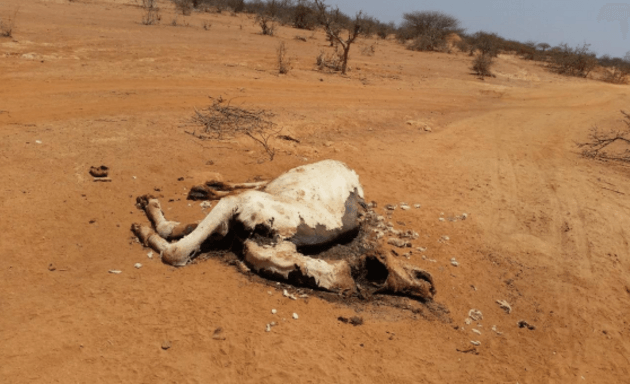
[{"x": 546, "y": 229}]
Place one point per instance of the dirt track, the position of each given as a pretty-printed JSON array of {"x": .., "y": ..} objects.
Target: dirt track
[{"x": 546, "y": 229}]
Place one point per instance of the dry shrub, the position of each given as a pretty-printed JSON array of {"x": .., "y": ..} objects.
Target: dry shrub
[
  {"x": 266, "y": 23},
  {"x": 578, "y": 61},
  {"x": 617, "y": 70},
  {"x": 222, "y": 121},
  {"x": 428, "y": 42},
  {"x": 184, "y": 6},
  {"x": 617, "y": 75},
  {"x": 7, "y": 25},
  {"x": 369, "y": 50},
  {"x": 151, "y": 12},
  {"x": 332, "y": 61},
  {"x": 486, "y": 43},
  {"x": 284, "y": 63},
  {"x": 428, "y": 30},
  {"x": 609, "y": 145},
  {"x": 482, "y": 64},
  {"x": 207, "y": 25}
]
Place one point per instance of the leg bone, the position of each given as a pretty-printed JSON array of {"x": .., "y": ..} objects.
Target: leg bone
[{"x": 284, "y": 260}]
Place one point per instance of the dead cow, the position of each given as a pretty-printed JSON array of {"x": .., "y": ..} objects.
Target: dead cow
[{"x": 308, "y": 206}]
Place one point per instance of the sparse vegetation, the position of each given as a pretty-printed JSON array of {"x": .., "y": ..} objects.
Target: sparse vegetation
[
  {"x": 617, "y": 70},
  {"x": 331, "y": 60},
  {"x": 334, "y": 23},
  {"x": 304, "y": 15},
  {"x": 184, "y": 6},
  {"x": 578, "y": 61},
  {"x": 266, "y": 23},
  {"x": 151, "y": 12},
  {"x": 7, "y": 25},
  {"x": 370, "y": 50},
  {"x": 486, "y": 43},
  {"x": 222, "y": 120},
  {"x": 482, "y": 64},
  {"x": 427, "y": 30},
  {"x": 609, "y": 145},
  {"x": 284, "y": 63}
]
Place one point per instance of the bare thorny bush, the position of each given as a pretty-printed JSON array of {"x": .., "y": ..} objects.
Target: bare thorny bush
[
  {"x": 222, "y": 121},
  {"x": 7, "y": 25},
  {"x": 600, "y": 144},
  {"x": 481, "y": 65},
  {"x": 151, "y": 12},
  {"x": 284, "y": 63},
  {"x": 266, "y": 22}
]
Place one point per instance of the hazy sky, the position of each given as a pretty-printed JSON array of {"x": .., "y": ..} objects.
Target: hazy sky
[{"x": 551, "y": 21}]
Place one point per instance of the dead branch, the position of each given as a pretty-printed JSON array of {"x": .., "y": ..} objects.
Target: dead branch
[
  {"x": 221, "y": 121},
  {"x": 599, "y": 142}
]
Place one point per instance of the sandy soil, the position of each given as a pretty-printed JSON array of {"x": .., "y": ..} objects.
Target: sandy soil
[{"x": 84, "y": 83}]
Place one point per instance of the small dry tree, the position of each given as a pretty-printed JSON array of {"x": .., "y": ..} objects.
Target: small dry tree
[
  {"x": 7, "y": 25},
  {"x": 284, "y": 63},
  {"x": 332, "y": 22},
  {"x": 608, "y": 145},
  {"x": 266, "y": 22},
  {"x": 223, "y": 121},
  {"x": 151, "y": 12},
  {"x": 481, "y": 65}
]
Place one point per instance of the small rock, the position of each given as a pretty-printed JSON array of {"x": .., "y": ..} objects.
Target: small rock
[
  {"x": 390, "y": 207},
  {"x": 441, "y": 219},
  {"x": 137, "y": 265},
  {"x": 421, "y": 249},
  {"x": 494, "y": 329},
  {"x": 268, "y": 328},
  {"x": 51, "y": 267},
  {"x": 218, "y": 334},
  {"x": 454, "y": 262},
  {"x": 464, "y": 216},
  {"x": 525, "y": 324},
  {"x": 477, "y": 331},
  {"x": 205, "y": 204},
  {"x": 166, "y": 344},
  {"x": 295, "y": 316},
  {"x": 115, "y": 271},
  {"x": 475, "y": 343},
  {"x": 101, "y": 171},
  {"x": 274, "y": 311},
  {"x": 150, "y": 255},
  {"x": 38, "y": 141},
  {"x": 354, "y": 320},
  {"x": 416, "y": 206}
]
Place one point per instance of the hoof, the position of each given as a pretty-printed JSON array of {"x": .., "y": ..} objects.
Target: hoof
[{"x": 143, "y": 201}]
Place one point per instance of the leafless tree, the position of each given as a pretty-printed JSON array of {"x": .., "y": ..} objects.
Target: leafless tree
[{"x": 331, "y": 20}]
